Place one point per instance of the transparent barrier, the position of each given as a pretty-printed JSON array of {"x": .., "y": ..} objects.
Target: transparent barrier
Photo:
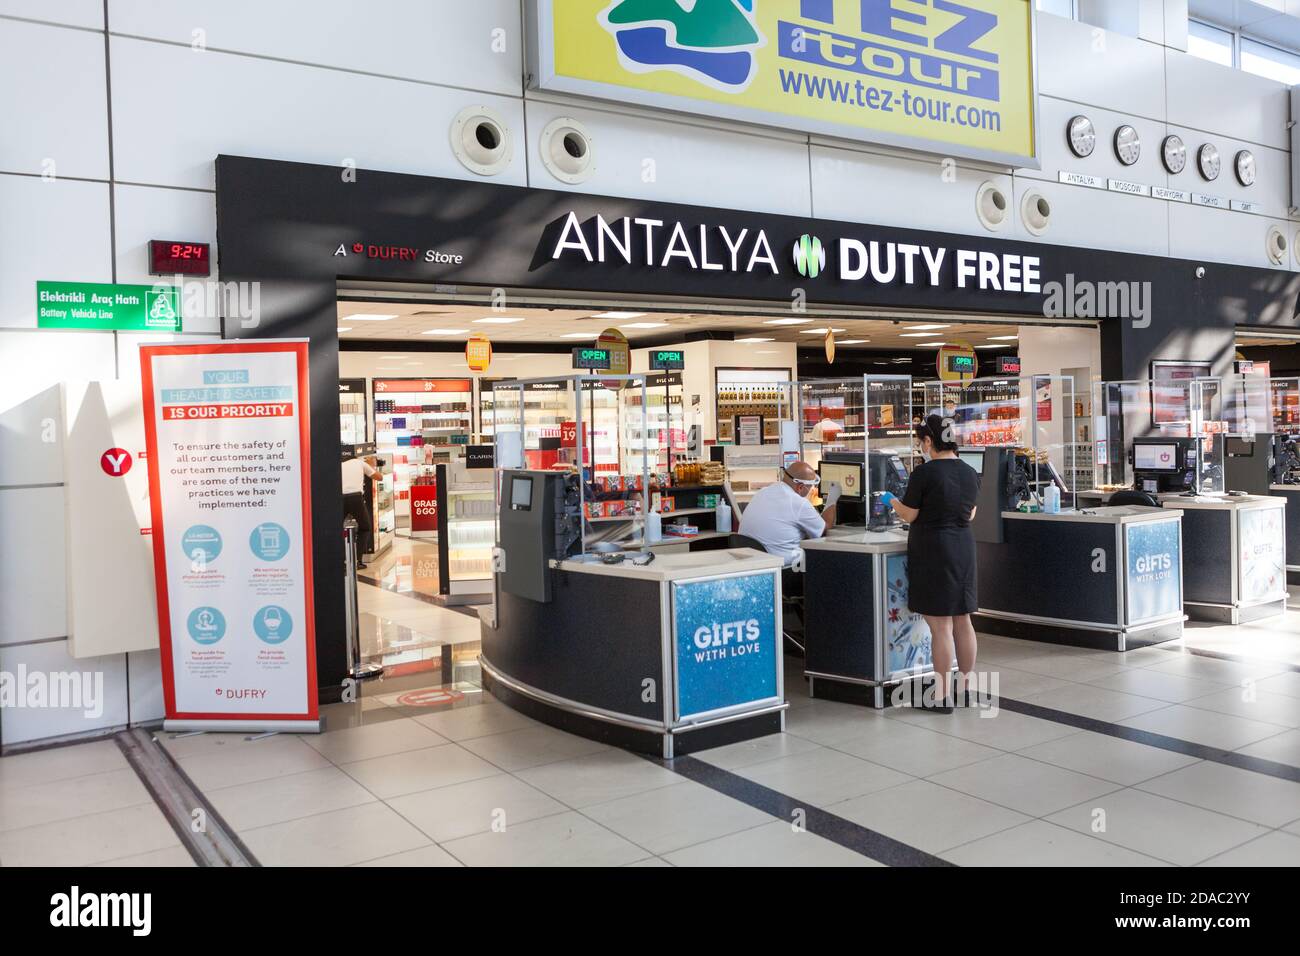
[
  {"x": 1160, "y": 436},
  {"x": 594, "y": 429},
  {"x": 1035, "y": 415},
  {"x": 757, "y": 428}
]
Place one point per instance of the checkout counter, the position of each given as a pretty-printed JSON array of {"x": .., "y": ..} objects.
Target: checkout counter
[
  {"x": 668, "y": 654},
  {"x": 1238, "y": 539}
]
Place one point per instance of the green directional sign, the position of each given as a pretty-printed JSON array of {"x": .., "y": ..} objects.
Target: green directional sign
[{"x": 98, "y": 305}]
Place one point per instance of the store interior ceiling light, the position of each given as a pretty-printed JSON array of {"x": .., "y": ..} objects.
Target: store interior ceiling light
[
  {"x": 368, "y": 317},
  {"x": 918, "y": 335},
  {"x": 550, "y": 323},
  {"x": 444, "y": 331},
  {"x": 990, "y": 346},
  {"x": 755, "y": 340},
  {"x": 787, "y": 321},
  {"x": 617, "y": 315},
  {"x": 853, "y": 341},
  {"x": 821, "y": 331},
  {"x": 923, "y": 328},
  {"x": 491, "y": 320},
  {"x": 1003, "y": 338},
  {"x": 345, "y": 328}
]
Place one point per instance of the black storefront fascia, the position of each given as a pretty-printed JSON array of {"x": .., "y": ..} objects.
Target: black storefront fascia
[{"x": 297, "y": 229}]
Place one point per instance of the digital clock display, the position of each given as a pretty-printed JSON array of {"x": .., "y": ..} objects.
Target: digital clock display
[
  {"x": 673, "y": 360},
  {"x": 591, "y": 358},
  {"x": 186, "y": 258}
]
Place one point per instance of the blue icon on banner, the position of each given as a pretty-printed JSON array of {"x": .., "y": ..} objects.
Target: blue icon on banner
[
  {"x": 269, "y": 541},
  {"x": 206, "y": 625},
  {"x": 201, "y": 543},
  {"x": 273, "y": 624}
]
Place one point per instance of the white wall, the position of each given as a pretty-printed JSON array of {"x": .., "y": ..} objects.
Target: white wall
[{"x": 331, "y": 81}]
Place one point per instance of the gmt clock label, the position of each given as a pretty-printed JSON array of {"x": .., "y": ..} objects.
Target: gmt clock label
[{"x": 96, "y": 305}]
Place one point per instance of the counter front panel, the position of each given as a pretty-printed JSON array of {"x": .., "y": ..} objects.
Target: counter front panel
[
  {"x": 1063, "y": 570},
  {"x": 594, "y": 644},
  {"x": 1206, "y": 536}
]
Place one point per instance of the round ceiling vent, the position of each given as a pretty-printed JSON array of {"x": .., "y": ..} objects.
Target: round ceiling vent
[
  {"x": 567, "y": 150},
  {"x": 991, "y": 206},
  {"x": 481, "y": 140},
  {"x": 1275, "y": 246},
  {"x": 1036, "y": 212}
]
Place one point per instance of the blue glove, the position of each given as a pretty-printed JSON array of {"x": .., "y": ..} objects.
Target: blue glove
[{"x": 887, "y": 498}]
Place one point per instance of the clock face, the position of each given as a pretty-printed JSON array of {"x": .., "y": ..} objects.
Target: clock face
[
  {"x": 1127, "y": 145},
  {"x": 1244, "y": 165},
  {"x": 1082, "y": 136},
  {"x": 1173, "y": 151},
  {"x": 1207, "y": 160}
]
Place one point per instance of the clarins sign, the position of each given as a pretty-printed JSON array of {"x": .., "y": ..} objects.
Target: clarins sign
[{"x": 700, "y": 247}]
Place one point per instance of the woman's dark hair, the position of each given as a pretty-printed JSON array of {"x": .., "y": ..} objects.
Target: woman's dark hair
[{"x": 940, "y": 430}]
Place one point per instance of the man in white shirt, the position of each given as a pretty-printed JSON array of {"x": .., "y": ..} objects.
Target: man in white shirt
[
  {"x": 355, "y": 473},
  {"x": 780, "y": 516}
]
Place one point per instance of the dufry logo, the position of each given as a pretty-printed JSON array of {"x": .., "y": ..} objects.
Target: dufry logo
[{"x": 809, "y": 256}]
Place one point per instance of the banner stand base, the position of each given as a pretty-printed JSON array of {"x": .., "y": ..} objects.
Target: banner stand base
[{"x": 237, "y": 726}]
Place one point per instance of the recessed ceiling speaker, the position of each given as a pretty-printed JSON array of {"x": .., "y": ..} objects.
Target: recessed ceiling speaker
[
  {"x": 1275, "y": 245},
  {"x": 1035, "y": 212},
  {"x": 567, "y": 150},
  {"x": 991, "y": 206},
  {"x": 481, "y": 140}
]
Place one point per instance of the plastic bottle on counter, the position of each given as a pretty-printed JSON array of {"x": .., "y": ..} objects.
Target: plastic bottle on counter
[
  {"x": 654, "y": 527},
  {"x": 723, "y": 514},
  {"x": 1052, "y": 500}
]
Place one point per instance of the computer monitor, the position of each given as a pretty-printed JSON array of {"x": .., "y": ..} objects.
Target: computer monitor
[
  {"x": 1155, "y": 457},
  {"x": 847, "y": 475},
  {"x": 521, "y": 493},
  {"x": 973, "y": 458}
]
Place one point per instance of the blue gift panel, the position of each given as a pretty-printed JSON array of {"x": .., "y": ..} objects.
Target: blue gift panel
[
  {"x": 1154, "y": 586},
  {"x": 724, "y": 633},
  {"x": 907, "y": 636}
]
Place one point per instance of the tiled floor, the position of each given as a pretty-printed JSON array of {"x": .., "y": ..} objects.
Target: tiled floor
[{"x": 397, "y": 780}]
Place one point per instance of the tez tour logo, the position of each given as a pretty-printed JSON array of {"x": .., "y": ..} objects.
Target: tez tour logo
[
  {"x": 809, "y": 256},
  {"x": 710, "y": 41}
]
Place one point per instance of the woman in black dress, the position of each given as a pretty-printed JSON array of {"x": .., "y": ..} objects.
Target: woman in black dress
[{"x": 939, "y": 505}]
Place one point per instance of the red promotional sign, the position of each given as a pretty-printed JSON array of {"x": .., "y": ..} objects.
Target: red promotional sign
[
  {"x": 568, "y": 434},
  {"x": 422, "y": 385},
  {"x": 116, "y": 462},
  {"x": 424, "y": 507},
  {"x": 228, "y": 443}
]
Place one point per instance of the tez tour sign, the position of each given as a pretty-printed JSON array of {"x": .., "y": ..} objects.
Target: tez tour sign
[
  {"x": 949, "y": 76},
  {"x": 226, "y": 431}
]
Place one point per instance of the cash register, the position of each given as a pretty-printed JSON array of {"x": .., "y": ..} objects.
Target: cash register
[
  {"x": 863, "y": 480},
  {"x": 1164, "y": 465}
]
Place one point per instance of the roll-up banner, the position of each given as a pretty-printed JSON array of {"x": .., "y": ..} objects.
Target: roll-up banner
[{"x": 227, "y": 433}]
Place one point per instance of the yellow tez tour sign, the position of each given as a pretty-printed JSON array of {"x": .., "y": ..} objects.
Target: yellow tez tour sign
[{"x": 948, "y": 76}]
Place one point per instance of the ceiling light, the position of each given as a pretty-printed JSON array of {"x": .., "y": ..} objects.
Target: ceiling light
[
  {"x": 1003, "y": 338},
  {"x": 444, "y": 331},
  {"x": 787, "y": 321},
  {"x": 990, "y": 346},
  {"x": 579, "y": 335},
  {"x": 345, "y": 328},
  {"x": 643, "y": 325},
  {"x": 853, "y": 341},
  {"x": 616, "y": 315},
  {"x": 496, "y": 321},
  {"x": 819, "y": 331},
  {"x": 368, "y": 317},
  {"x": 755, "y": 339},
  {"x": 918, "y": 335},
  {"x": 922, "y": 328}
]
